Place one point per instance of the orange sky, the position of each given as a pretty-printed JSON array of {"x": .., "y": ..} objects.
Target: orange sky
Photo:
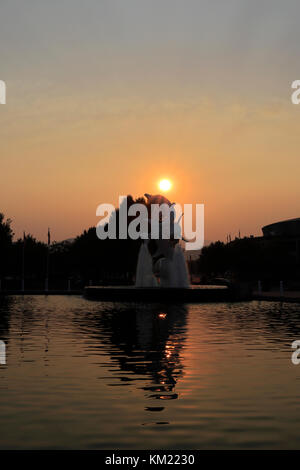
[{"x": 99, "y": 106}]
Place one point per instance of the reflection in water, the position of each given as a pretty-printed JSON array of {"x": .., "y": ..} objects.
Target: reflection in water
[
  {"x": 4, "y": 318},
  {"x": 84, "y": 374},
  {"x": 145, "y": 342}
]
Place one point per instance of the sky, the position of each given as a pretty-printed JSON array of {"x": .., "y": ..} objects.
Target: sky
[{"x": 107, "y": 97}]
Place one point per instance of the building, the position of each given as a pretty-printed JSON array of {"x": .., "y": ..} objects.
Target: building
[
  {"x": 286, "y": 228},
  {"x": 285, "y": 236}
]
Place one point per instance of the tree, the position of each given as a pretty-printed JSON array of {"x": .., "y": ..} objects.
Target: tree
[{"x": 6, "y": 235}]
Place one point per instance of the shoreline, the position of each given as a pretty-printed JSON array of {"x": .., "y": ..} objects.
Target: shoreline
[{"x": 272, "y": 296}]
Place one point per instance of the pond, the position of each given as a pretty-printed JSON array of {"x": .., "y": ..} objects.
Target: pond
[{"x": 82, "y": 374}]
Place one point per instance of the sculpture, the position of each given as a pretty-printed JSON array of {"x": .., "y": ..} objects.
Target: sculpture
[{"x": 161, "y": 262}]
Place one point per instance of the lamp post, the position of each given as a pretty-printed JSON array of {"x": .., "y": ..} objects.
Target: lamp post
[
  {"x": 23, "y": 264},
  {"x": 47, "y": 263}
]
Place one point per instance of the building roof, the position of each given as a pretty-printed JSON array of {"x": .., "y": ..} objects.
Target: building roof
[{"x": 290, "y": 227}]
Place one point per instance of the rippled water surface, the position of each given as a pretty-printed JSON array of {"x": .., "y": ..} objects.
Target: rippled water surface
[{"x": 90, "y": 375}]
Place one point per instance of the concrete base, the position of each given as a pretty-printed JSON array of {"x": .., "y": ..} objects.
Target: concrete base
[
  {"x": 156, "y": 294},
  {"x": 41, "y": 292}
]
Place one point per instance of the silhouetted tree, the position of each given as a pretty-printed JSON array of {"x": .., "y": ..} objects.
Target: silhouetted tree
[
  {"x": 35, "y": 255},
  {"x": 250, "y": 258},
  {"x": 6, "y": 235},
  {"x": 97, "y": 259}
]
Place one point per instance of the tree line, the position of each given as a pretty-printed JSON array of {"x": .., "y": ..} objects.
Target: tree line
[
  {"x": 87, "y": 258},
  {"x": 84, "y": 259}
]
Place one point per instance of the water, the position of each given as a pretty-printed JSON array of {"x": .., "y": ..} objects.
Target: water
[{"x": 89, "y": 375}]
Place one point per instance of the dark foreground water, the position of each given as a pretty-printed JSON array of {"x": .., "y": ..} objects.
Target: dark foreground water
[{"x": 84, "y": 374}]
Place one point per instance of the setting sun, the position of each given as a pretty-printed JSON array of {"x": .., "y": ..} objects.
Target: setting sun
[{"x": 165, "y": 185}]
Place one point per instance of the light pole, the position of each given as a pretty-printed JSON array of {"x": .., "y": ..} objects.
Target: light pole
[
  {"x": 47, "y": 263},
  {"x": 23, "y": 264}
]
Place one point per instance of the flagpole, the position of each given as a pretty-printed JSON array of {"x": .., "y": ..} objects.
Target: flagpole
[
  {"x": 47, "y": 271},
  {"x": 23, "y": 264},
  {"x": 47, "y": 263}
]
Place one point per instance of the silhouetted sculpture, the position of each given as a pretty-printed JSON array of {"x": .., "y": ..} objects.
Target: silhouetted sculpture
[{"x": 161, "y": 261}]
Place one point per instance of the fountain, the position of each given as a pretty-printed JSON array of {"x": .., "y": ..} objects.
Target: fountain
[
  {"x": 161, "y": 262},
  {"x": 161, "y": 272}
]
